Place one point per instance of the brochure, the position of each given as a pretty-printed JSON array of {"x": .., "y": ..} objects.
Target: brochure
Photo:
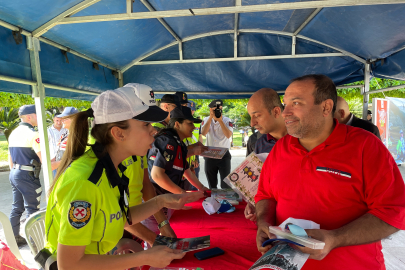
[
  {"x": 245, "y": 178},
  {"x": 305, "y": 241},
  {"x": 214, "y": 152},
  {"x": 177, "y": 268},
  {"x": 225, "y": 194},
  {"x": 185, "y": 244},
  {"x": 281, "y": 257}
]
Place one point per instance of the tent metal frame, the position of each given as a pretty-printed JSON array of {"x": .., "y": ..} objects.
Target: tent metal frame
[
  {"x": 139, "y": 61},
  {"x": 225, "y": 10},
  {"x": 34, "y": 39},
  {"x": 38, "y": 93}
]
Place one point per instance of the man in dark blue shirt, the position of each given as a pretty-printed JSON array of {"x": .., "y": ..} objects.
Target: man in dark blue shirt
[{"x": 265, "y": 108}]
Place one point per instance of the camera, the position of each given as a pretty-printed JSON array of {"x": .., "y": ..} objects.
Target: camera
[{"x": 218, "y": 110}]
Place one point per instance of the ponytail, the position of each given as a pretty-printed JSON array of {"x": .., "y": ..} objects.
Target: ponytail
[{"x": 77, "y": 142}]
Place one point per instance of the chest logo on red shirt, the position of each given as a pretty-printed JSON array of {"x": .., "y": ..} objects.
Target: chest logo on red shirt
[
  {"x": 333, "y": 171},
  {"x": 79, "y": 214}
]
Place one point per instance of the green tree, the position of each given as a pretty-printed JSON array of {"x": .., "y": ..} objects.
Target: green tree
[
  {"x": 17, "y": 100},
  {"x": 354, "y": 97},
  {"x": 9, "y": 120}
]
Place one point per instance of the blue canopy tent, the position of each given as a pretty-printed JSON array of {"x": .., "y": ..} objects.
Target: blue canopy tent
[{"x": 207, "y": 48}]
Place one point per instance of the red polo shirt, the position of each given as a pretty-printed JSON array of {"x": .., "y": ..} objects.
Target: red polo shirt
[{"x": 350, "y": 174}]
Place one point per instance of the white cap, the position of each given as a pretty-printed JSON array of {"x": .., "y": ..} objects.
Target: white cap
[
  {"x": 144, "y": 92},
  {"x": 210, "y": 205},
  {"x": 123, "y": 104}
]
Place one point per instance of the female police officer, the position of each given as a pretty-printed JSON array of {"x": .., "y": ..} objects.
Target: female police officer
[
  {"x": 167, "y": 158},
  {"x": 87, "y": 208}
]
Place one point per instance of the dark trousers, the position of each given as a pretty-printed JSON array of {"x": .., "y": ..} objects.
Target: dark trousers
[
  {"x": 197, "y": 170},
  {"x": 27, "y": 192},
  {"x": 212, "y": 166}
]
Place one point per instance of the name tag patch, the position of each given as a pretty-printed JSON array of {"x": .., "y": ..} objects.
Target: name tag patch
[
  {"x": 333, "y": 171},
  {"x": 79, "y": 214}
]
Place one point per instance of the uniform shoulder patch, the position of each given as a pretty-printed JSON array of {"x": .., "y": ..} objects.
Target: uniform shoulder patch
[
  {"x": 37, "y": 140},
  {"x": 79, "y": 214},
  {"x": 230, "y": 124}
]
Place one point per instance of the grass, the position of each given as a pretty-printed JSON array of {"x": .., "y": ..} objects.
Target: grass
[{"x": 3, "y": 148}]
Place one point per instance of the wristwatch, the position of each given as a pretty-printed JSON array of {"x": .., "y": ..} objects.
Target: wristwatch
[{"x": 163, "y": 223}]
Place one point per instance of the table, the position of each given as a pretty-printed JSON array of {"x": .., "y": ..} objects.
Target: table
[{"x": 229, "y": 231}]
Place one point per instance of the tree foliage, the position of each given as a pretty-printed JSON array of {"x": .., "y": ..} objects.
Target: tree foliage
[
  {"x": 17, "y": 100},
  {"x": 235, "y": 109},
  {"x": 354, "y": 97},
  {"x": 9, "y": 120}
]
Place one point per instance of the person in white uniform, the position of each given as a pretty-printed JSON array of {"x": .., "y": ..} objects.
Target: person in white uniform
[{"x": 218, "y": 130}]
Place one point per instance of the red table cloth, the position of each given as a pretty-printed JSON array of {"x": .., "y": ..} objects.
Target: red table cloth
[{"x": 229, "y": 231}]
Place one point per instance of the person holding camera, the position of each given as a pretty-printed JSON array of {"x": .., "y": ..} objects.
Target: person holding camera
[{"x": 218, "y": 130}]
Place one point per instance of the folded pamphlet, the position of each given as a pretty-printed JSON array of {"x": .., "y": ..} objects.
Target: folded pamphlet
[
  {"x": 281, "y": 257},
  {"x": 245, "y": 178},
  {"x": 177, "y": 268},
  {"x": 225, "y": 194},
  {"x": 185, "y": 244},
  {"x": 214, "y": 152},
  {"x": 305, "y": 241}
]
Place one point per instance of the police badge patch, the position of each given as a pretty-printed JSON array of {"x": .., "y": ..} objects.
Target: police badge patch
[{"x": 79, "y": 214}]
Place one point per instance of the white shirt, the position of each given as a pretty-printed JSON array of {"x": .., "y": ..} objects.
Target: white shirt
[
  {"x": 215, "y": 135},
  {"x": 53, "y": 138}
]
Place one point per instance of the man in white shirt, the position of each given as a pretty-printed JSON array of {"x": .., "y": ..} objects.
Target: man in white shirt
[
  {"x": 54, "y": 133},
  {"x": 218, "y": 130}
]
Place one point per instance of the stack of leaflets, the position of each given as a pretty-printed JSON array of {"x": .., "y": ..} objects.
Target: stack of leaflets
[
  {"x": 245, "y": 178},
  {"x": 281, "y": 257},
  {"x": 214, "y": 152},
  {"x": 177, "y": 268},
  {"x": 185, "y": 244},
  {"x": 225, "y": 194},
  {"x": 300, "y": 240}
]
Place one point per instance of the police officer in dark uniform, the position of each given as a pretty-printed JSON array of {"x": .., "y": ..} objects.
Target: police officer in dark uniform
[
  {"x": 167, "y": 103},
  {"x": 167, "y": 159}
]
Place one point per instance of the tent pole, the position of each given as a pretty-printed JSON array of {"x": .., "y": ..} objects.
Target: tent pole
[
  {"x": 38, "y": 93},
  {"x": 235, "y": 28},
  {"x": 366, "y": 89},
  {"x": 120, "y": 79}
]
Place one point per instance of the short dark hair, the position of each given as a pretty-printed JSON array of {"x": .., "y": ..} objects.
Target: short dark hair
[
  {"x": 271, "y": 99},
  {"x": 324, "y": 88}
]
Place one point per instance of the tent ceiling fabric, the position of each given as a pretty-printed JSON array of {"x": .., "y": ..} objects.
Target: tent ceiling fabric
[{"x": 371, "y": 32}]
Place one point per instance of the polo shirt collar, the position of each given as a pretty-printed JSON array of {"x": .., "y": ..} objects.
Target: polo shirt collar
[
  {"x": 104, "y": 161},
  {"x": 338, "y": 135},
  {"x": 269, "y": 137},
  {"x": 26, "y": 124}
]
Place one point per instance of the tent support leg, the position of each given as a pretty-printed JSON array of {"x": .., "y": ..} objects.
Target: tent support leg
[
  {"x": 366, "y": 89},
  {"x": 38, "y": 93},
  {"x": 120, "y": 79},
  {"x": 181, "y": 51}
]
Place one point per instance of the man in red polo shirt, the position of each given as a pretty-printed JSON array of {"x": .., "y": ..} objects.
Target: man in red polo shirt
[{"x": 336, "y": 175}]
